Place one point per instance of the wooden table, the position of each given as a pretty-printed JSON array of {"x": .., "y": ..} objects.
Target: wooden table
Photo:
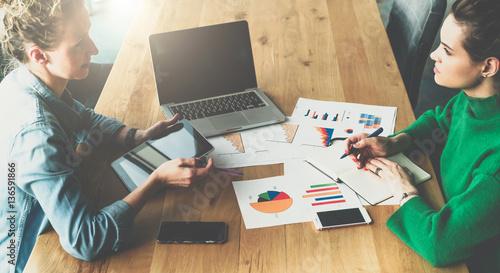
[{"x": 320, "y": 49}]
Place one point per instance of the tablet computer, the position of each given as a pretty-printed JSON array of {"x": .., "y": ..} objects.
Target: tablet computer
[{"x": 180, "y": 140}]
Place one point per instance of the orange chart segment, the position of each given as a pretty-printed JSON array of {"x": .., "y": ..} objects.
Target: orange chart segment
[{"x": 274, "y": 206}]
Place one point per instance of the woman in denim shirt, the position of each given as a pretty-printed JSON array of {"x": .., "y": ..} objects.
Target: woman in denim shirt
[{"x": 41, "y": 128}]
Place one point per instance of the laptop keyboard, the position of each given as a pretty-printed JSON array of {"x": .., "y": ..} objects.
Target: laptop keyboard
[{"x": 218, "y": 106}]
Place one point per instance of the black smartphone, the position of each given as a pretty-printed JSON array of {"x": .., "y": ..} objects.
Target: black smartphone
[
  {"x": 192, "y": 233},
  {"x": 340, "y": 218}
]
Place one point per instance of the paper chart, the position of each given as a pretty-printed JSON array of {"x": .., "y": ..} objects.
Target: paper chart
[
  {"x": 272, "y": 202},
  {"x": 346, "y": 118},
  {"x": 228, "y": 144},
  {"x": 285, "y": 132},
  {"x": 291, "y": 198},
  {"x": 271, "y": 213},
  {"x": 260, "y": 146}
]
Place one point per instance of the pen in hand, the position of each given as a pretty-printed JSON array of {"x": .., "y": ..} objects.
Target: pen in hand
[{"x": 374, "y": 134}]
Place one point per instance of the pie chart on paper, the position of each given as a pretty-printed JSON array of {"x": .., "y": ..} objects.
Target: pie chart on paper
[{"x": 272, "y": 202}]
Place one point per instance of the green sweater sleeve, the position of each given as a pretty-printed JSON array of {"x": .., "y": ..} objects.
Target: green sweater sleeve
[{"x": 452, "y": 233}]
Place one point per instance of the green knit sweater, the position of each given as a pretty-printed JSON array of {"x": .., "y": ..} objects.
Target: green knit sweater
[{"x": 468, "y": 226}]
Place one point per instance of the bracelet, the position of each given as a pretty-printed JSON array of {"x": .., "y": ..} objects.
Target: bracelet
[
  {"x": 406, "y": 194},
  {"x": 129, "y": 138}
]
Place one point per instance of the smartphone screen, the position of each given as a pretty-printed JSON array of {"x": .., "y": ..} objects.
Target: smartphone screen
[
  {"x": 192, "y": 233},
  {"x": 341, "y": 217}
]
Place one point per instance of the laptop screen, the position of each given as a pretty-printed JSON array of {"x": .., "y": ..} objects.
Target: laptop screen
[{"x": 202, "y": 62}]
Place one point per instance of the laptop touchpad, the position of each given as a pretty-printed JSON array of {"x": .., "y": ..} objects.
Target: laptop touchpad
[{"x": 229, "y": 121}]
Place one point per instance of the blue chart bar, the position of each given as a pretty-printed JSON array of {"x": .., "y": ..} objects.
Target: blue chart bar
[
  {"x": 325, "y": 116},
  {"x": 336, "y": 117},
  {"x": 307, "y": 114},
  {"x": 329, "y": 198}
]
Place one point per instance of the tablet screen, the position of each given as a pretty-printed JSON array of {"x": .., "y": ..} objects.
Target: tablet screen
[{"x": 180, "y": 140}]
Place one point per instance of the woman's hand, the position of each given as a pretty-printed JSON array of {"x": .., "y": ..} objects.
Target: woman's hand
[
  {"x": 144, "y": 135},
  {"x": 396, "y": 179},
  {"x": 366, "y": 148},
  {"x": 374, "y": 147},
  {"x": 181, "y": 172}
]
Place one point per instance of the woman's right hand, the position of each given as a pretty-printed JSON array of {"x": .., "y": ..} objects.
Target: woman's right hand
[
  {"x": 372, "y": 147},
  {"x": 182, "y": 172}
]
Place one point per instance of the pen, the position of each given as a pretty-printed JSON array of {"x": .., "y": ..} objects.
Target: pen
[
  {"x": 374, "y": 134},
  {"x": 231, "y": 172}
]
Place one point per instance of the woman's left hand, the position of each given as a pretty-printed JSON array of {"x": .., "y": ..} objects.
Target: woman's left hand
[
  {"x": 144, "y": 135},
  {"x": 395, "y": 178}
]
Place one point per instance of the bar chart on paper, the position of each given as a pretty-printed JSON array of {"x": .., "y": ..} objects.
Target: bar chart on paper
[
  {"x": 324, "y": 194},
  {"x": 288, "y": 199},
  {"x": 346, "y": 118},
  {"x": 327, "y": 116}
]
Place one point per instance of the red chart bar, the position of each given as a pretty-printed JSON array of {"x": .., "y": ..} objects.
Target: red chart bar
[
  {"x": 324, "y": 189},
  {"x": 329, "y": 202}
]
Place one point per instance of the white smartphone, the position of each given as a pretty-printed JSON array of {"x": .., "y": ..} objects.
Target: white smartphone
[{"x": 340, "y": 218}]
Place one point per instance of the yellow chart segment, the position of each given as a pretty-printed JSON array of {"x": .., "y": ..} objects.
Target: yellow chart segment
[{"x": 272, "y": 206}]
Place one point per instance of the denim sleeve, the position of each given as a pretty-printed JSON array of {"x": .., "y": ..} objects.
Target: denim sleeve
[
  {"x": 96, "y": 127},
  {"x": 47, "y": 173}
]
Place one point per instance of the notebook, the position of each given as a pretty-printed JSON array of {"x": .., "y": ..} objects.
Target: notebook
[
  {"x": 207, "y": 75},
  {"x": 344, "y": 170}
]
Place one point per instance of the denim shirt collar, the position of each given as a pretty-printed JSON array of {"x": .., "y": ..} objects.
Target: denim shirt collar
[{"x": 63, "y": 108}]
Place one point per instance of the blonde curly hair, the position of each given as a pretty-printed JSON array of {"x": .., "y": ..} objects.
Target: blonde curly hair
[{"x": 33, "y": 22}]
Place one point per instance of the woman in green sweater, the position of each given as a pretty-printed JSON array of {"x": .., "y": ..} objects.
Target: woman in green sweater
[{"x": 467, "y": 228}]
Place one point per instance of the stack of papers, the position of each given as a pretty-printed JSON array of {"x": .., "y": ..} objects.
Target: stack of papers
[
  {"x": 291, "y": 198},
  {"x": 303, "y": 189},
  {"x": 311, "y": 127}
]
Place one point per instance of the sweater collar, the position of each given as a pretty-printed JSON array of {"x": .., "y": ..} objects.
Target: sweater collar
[{"x": 484, "y": 108}]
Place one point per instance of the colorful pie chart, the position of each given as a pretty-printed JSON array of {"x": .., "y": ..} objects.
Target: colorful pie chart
[{"x": 272, "y": 202}]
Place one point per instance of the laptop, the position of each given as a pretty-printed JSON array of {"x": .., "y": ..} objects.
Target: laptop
[{"x": 207, "y": 75}]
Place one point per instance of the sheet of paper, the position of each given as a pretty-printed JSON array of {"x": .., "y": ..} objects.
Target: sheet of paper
[
  {"x": 313, "y": 125},
  {"x": 270, "y": 144},
  {"x": 290, "y": 198},
  {"x": 347, "y": 118}
]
